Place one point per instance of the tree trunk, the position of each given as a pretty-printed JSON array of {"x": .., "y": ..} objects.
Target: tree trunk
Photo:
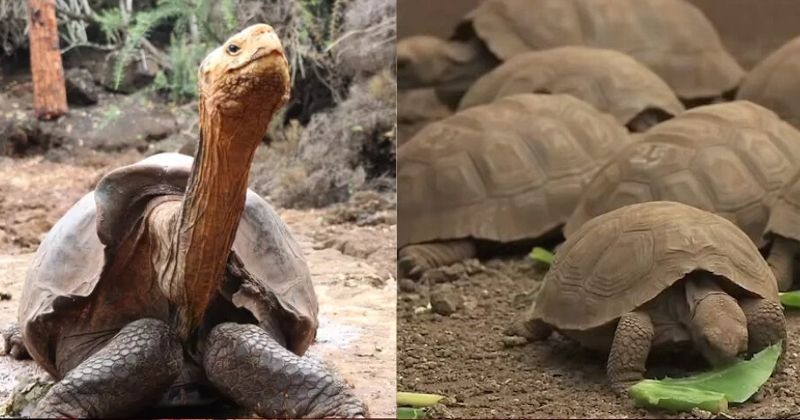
[{"x": 49, "y": 91}]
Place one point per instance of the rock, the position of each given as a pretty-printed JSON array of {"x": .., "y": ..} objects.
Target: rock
[
  {"x": 81, "y": 89},
  {"x": 407, "y": 285},
  {"x": 445, "y": 299},
  {"x": 181, "y": 142},
  {"x": 25, "y": 396},
  {"x": 137, "y": 74}
]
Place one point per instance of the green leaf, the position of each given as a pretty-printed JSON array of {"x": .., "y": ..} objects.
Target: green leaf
[
  {"x": 790, "y": 299},
  {"x": 650, "y": 393},
  {"x": 417, "y": 400},
  {"x": 542, "y": 255},
  {"x": 711, "y": 390},
  {"x": 410, "y": 413}
]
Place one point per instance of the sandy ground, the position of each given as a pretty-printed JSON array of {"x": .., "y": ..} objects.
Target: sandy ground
[
  {"x": 356, "y": 292},
  {"x": 463, "y": 357}
]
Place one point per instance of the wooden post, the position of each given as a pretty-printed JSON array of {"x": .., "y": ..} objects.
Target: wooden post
[{"x": 49, "y": 91}]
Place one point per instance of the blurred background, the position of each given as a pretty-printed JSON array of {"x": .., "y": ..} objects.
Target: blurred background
[{"x": 750, "y": 29}]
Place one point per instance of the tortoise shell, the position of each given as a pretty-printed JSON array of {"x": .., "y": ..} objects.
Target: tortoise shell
[
  {"x": 620, "y": 260},
  {"x": 773, "y": 82},
  {"x": 609, "y": 80},
  {"x": 671, "y": 37},
  {"x": 730, "y": 159},
  {"x": 784, "y": 216},
  {"x": 72, "y": 260},
  {"x": 505, "y": 171}
]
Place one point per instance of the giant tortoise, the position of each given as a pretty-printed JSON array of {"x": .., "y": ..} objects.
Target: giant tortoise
[
  {"x": 609, "y": 80},
  {"x": 731, "y": 159},
  {"x": 671, "y": 37},
  {"x": 774, "y": 84},
  {"x": 504, "y": 172},
  {"x": 656, "y": 277},
  {"x": 173, "y": 269}
]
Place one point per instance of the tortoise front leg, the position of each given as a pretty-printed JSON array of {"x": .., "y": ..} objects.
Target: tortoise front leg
[
  {"x": 245, "y": 363},
  {"x": 766, "y": 324},
  {"x": 14, "y": 346},
  {"x": 627, "y": 361},
  {"x": 417, "y": 259},
  {"x": 782, "y": 260},
  {"x": 131, "y": 371}
]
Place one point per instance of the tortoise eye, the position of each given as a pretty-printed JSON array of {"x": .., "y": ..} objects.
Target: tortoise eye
[{"x": 233, "y": 48}]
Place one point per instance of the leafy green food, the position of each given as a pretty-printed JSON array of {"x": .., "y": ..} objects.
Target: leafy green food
[
  {"x": 711, "y": 391},
  {"x": 541, "y": 255},
  {"x": 790, "y": 299},
  {"x": 412, "y": 399},
  {"x": 410, "y": 413}
]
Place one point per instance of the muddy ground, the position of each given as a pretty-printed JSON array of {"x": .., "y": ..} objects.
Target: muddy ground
[
  {"x": 463, "y": 356},
  {"x": 352, "y": 267}
]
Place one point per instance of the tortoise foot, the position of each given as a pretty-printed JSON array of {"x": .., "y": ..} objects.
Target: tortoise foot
[
  {"x": 414, "y": 260},
  {"x": 130, "y": 372},
  {"x": 14, "y": 347},
  {"x": 254, "y": 370}
]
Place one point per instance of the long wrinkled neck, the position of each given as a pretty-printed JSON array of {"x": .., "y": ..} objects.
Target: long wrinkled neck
[{"x": 211, "y": 209}]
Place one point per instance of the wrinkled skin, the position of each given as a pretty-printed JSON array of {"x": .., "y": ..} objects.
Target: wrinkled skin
[{"x": 110, "y": 366}]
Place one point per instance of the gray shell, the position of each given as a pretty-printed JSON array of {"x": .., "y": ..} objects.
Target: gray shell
[{"x": 70, "y": 262}]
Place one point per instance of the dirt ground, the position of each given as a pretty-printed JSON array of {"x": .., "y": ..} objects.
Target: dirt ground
[
  {"x": 463, "y": 356},
  {"x": 356, "y": 288}
]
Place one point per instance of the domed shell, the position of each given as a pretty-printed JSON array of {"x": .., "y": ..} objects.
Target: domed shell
[
  {"x": 71, "y": 260},
  {"x": 671, "y": 37},
  {"x": 730, "y": 159},
  {"x": 609, "y": 80},
  {"x": 623, "y": 259},
  {"x": 774, "y": 82},
  {"x": 508, "y": 170}
]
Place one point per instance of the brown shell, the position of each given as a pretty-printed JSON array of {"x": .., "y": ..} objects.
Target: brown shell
[
  {"x": 508, "y": 170},
  {"x": 417, "y": 108},
  {"x": 623, "y": 259},
  {"x": 730, "y": 159},
  {"x": 774, "y": 82},
  {"x": 609, "y": 80},
  {"x": 70, "y": 262},
  {"x": 784, "y": 217},
  {"x": 671, "y": 37}
]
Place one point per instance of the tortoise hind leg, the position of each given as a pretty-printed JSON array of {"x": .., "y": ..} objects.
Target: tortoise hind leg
[
  {"x": 416, "y": 259},
  {"x": 245, "y": 363},
  {"x": 14, "y": 346},
  {"x": 132, "y": 370},
  {"x": 627, "y": 361}
]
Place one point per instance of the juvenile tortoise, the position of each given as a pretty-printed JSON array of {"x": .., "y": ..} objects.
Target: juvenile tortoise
[
  {"x": 657, "y": 277},
  {"x": 773, "y": 83},
  {"x": 171, "y": 272},
  {"x": 731, "y": 159},
  {"x": 503, "y": 172},
  {"x": 609, "y": 80},
  {"x": 671, "y": 37}
]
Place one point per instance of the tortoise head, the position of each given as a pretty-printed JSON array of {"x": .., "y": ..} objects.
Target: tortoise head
[
  {"x": 425, "y": 61},
  {"x": 719, "y": 329},
  {"x": 247, "y": 75}
]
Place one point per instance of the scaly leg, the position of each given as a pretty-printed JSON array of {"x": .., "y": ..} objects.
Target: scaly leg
[
  {"x": 628, "y": 357},
  {"x": 130, "y": 372},
  {"x": 766, "y": 324},
  {"x": 245, "y": 363},
  {"x": 781, "y": 259},
  {"x": 12, "y": 336},
  {"x": 416, "y": 259}
]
